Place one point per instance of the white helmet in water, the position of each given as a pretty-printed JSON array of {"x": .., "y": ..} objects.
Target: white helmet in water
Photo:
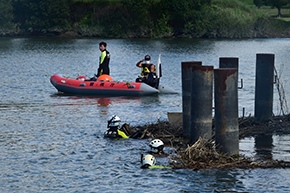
[
  {"x": 114, "y": 121},
  {"x": 148, "y": 160},
  {"x": 156, "y": 146}
]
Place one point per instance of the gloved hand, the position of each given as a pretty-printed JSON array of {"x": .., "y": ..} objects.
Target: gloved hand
[{"x": 94, "y": 78}]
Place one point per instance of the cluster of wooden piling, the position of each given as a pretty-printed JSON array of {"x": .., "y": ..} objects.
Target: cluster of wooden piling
[
  {"x": 204, "y": 141},
  {"x": 200, "y": 83}
]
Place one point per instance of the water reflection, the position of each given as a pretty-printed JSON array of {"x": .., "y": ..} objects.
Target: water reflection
[
  {"x": 94, "y": 100},
  {"x": 263, "y": 146},
  {"x": 146, "y": 101}
]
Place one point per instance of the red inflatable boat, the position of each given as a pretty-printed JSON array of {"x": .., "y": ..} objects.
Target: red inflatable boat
[{"x": 103, "y": 86}]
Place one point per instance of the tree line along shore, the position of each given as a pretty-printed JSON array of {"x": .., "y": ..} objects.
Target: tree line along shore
[{"x": 139, "y": 19}]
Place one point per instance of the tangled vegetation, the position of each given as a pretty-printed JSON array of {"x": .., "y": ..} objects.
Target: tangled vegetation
[{"x": 203, "y": 154}]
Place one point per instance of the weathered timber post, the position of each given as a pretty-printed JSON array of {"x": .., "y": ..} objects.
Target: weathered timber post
[
  {"x": 201, "y": 103},
  {"x": 229, "y": 62},
  {"x": 186, "y": 88},
  {"x": 226, "y": 110},
  {"x": 264, "y": 86}
]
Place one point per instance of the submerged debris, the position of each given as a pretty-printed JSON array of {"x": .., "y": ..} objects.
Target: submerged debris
[
  {"x": 203, "y": 154},
  {"x": 170, "y": 135},
  {"x": 278, "y": 125}
]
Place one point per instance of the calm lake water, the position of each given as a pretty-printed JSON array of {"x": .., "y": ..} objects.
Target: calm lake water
[{"x": 54, "y": 143}]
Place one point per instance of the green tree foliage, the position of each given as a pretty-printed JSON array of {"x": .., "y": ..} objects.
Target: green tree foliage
[
  {"x": 139, "y": 18},
  {"x": 6, "y": 14},
  {"x": 146, "y": 18},
  {"x": 19, "y": 12},
  {"x": 183, "y": 11},
  {"x": 278, "y": 4},
  {"x": 43, "y": 15},
  {"x": 258, "y": 3},
  {"x": 141, "y": 13}
]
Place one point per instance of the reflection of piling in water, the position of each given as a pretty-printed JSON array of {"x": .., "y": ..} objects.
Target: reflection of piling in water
[
  {"x": 201, "y": 102},
  {"x": 264, "y": 86},
  {"x": 226, "y": 110},
  {"x": 186, "y": 92},
  {"x": 263, "y": 146}
]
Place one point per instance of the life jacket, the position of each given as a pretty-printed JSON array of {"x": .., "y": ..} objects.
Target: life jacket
[
  {"x": 114, "y": 132},
  {"x": 104, "y": 64},
  {"x": 159, "y": 167},
  {"x": 145, "y": 70},
  {"x": 147, "y": 166}
]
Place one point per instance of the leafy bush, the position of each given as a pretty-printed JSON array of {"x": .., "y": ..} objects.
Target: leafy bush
[
  {"x": 162, "y": 29},
  {"x": 6, "y": 16},
  {"x": 44, "y": 15},
  {"x": 139, "y": 18},
  {"x": 90, "y": 31}
]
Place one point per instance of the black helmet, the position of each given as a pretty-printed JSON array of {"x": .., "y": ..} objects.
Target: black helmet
[{"x": 147, "y": 57}]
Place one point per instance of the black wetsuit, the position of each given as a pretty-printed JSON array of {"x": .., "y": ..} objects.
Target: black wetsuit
[
  {"x": 115, "y": 132},
  {"x": 104, "y": 63}
]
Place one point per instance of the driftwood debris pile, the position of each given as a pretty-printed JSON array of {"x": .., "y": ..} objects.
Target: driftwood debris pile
[{"x": 203, "y": 155}]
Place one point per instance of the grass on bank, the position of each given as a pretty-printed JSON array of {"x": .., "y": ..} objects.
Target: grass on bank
[
  {"x": 285, "y": 19},
  {"x": 270, "y": 11}
]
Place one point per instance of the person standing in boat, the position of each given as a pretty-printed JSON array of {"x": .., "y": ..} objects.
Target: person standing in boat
[
  {"x": 148, "y": 71},
  {"x": 104, "y": 60}
]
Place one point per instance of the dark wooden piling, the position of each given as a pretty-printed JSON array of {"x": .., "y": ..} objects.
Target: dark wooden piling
[
  {"x": 229, "y": 62},
  {"x": 226, "y": 110},
  {"x": 264, "y": 86},
  {"x": 186, "y": 89},
  {"x": 201, "y": 102}
]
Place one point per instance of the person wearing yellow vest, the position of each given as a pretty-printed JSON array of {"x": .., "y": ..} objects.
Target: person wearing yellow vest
[
  {"x": 148, "y": 162},
  {"x": 114, "y": 128},
  {"x": 104, "y": 60},
  {"x": 118, "y": 132},
  {"x": 148, "y": 72},
  {"x": 146, "y": 66}
]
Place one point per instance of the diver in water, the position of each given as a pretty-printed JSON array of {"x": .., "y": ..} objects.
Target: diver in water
[
  {"x": 148, "y": 162},
  {"x": 124, "y": 131},
  {"x": 114, "y": 130},
  {"x": 156, "y": 146}
]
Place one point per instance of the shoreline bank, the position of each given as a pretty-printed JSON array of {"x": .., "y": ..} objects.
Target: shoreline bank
[{"x": 75, "y": 34}]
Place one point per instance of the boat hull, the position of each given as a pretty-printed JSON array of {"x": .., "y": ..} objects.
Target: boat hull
[{"x": 79, "y": 87}]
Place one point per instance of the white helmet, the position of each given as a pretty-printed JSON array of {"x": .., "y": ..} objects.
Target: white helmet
[
  {"x": 148, "y": 160},
  {"x": 114, "y": 121},
  {"x": 156, "y": 146}
]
